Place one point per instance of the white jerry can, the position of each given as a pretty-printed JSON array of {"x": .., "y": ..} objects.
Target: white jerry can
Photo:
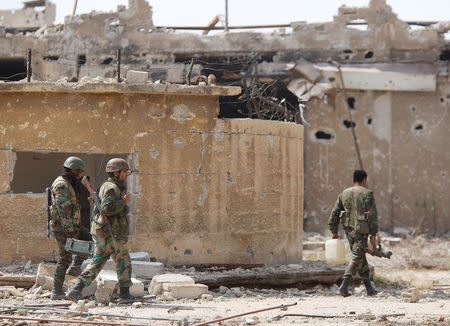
[{"x": 335, "y": 251}]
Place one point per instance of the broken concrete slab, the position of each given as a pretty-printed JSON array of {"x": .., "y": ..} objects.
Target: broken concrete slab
[
  {"x": 158, "y": 281},
  {"x": 107, "y": 283},
  {"x": 25, "y": 281},
  {"x": 312, "y": 245},
  {"x": 137, "y": 77},
  {"x": 184, "y": 290},
  {"x": 139, "y": 269},
  {"x": 307, "y": 70}
]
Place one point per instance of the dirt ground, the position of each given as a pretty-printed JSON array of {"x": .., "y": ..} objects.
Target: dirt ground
[{"x": 414, "y": 289}]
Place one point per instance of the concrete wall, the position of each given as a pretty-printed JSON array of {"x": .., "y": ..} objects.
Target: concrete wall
[
  {"x": 402, "y": 138},
  {"x": 204, "y": 190}
]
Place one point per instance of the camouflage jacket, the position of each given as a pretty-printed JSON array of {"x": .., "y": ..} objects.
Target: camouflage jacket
[
  {"x": 355, "y": 208},
  {"x": 114, "y": 208},
  {"x": 65, "y": 211}
]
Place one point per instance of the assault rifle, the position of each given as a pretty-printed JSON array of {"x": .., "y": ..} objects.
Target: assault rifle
[
  {"x": 97, "y": 203},
  {"x": 48, "y": 203},
  {"x": 377, "y": 251}
]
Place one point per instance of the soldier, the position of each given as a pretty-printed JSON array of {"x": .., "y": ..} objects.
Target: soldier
[
  {"x": 114, "y": 209},
  {"x": 355, "y": 209},
  {"x": 65, "y": 221}
]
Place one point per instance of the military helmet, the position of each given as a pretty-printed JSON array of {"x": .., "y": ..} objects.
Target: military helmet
[
  {"x": 116, "y": 164},
  {"x": 74, "y": 163}
]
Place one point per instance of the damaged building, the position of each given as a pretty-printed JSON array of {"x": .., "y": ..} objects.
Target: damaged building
[{"x": 366, "y": 71}]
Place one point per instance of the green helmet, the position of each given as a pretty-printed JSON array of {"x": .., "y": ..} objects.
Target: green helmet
[
  {"x": 74, "y": 163},
  {"x": 116, "y": 164}
]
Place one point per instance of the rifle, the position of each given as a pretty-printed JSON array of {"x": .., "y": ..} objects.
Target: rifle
[
  {"x": 48, "y": 203},
  {"x": 97, "y": 203},
  {"x": 377, "y": 251}
]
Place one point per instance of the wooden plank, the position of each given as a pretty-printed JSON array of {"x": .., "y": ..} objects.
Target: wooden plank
[{"x": 24, "y": 281}]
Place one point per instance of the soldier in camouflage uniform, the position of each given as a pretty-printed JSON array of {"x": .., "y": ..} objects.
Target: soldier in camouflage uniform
[
  {"x": 114, "y": 209},
  {"x": 65, "y": 221},
  {"x": 355, "y": 209}
]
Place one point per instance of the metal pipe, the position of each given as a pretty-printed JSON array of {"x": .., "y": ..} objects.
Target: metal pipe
[
  {"x": 29, "y": 65},
  {"x": 118, "y": 65},
  {"x": 226, "y": 16},
  {"x": 244, "y": 314},
  {"x": 352, "y": 124},
  {"x": 75, "y": 2},
  {"x": 70, "y": 321}
]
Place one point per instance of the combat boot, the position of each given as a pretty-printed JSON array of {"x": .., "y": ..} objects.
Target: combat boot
[
  {"x": 370, "y": 290},
  {"x": 57, "y": 292},
  {"x": 125, "y": 296},
  {"x": 75, "y": 292},
  {"x": 343, "y": 289},
  {"x": 75, "y": 267}
]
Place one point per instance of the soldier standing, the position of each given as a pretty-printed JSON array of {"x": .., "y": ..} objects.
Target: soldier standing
[
  {"x": 65, "y": 221},
  {"x": 114, "y": 209},
  {"x": 355, "y": 209}
]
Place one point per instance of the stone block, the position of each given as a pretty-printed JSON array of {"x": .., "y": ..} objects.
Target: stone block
[
  {"x": 107, "y": 282},
  {"x": 109, "y": 265},
  {"x": 312, "y": 245},
  {"x": 137, "y": 77},
  {"x": 145, "y": 269},
  {"x": 158, "y": 281},
  {"x": 184, "y": 290}
]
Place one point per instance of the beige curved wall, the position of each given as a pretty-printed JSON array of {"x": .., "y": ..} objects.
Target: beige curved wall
[{"x": 204, "y": 190}]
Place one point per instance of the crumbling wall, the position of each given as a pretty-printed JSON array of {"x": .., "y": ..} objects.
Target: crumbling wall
[
  {"x": 401, "y": 136},
  {"x": 205, "y": 190},
  {"x": 29, "y": 17}
]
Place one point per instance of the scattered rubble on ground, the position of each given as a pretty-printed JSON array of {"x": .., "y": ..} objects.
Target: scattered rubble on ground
[{"x": 174, "y": 296}]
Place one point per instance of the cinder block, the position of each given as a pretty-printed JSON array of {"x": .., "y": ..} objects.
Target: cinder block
[
  {"x": 111, "y": 266},
  {"x": 158, "y": 280},
  {"x": 145, "y": 269},
  {"x": 137, "y": 77},
  {"x": 107, "y": 282},
  {"x": 184, "y": 291}
]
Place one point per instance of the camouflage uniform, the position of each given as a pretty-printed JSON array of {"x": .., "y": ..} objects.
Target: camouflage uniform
[
  {"x": 65, "y": 223},
  {"x": 355, "y": 209},
  {"x": 116, "y": 210}
]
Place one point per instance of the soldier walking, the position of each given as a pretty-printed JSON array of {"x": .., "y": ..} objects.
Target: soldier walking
[
  {"x": 114, "y": 209},
  {"x": 355, "y": 209},
  {"x": 66, "y": 221}
]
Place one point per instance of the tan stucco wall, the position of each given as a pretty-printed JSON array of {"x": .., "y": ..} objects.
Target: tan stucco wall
[
  {"x": 206, "y": 190},
  {"x": 408, "y": 169}
]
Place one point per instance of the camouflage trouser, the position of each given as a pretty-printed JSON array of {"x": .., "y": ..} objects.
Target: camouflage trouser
[
  {"x": 104, "y": 248},
  {"x": 358, "y": 245},
  {"x": 65, "y": 257}
]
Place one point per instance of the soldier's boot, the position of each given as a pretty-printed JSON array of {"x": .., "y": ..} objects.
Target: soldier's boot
[
  {"x": 57, "y": 291},
  {"x": 343, "y": 289},
  {"x": 75, "y": 267},
  {"x": 75, "y": 292},
  {"x": 370, "y": 290},
  {"x": 125, "y": 296}
]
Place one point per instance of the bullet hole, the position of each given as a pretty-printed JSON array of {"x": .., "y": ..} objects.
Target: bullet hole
[
  {"x": 209, "y": 252},
  {"x": 349, "y": 124},
  {"x": 413, "y": 108},
  {"x": 107, "y": 61},
  {"x": 369, "y": 121},
  {"x": 444, "y": 174},
  {"x": 348, "y": 52},
  {"x": 445, "y": 55},
  {"x": 351, "y": 102},
  {"x": 331, "y": 79},
  {"x": 418, "y": 127},
  {"x": 81, "y": 59},
  {"x": 442, "y": 100},
  {"x": 188, "y": 252},
  {"x": 315, "y": 174},
  {"x": 323, "y": 135},
  {"x": 368, "y": 55},
  {"x": 51, "y": 58},
  {"x": 175, "y": 248}
]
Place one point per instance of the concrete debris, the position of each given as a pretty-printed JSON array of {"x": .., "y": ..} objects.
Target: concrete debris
[
  {"x": 184, "y": 290},
  {"x": 137, "y": 77},
  {"x": 156, "y": 285},
  {"x": 139, "y": 268},
  {"x": 107, "y": 285},
  {"x": 307, "y": 70}
]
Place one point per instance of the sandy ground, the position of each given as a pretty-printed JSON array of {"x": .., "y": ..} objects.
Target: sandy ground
[{"x": 414, "y": 284}]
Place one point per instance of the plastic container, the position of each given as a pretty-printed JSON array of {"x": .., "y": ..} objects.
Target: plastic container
[{"x": 335, "y": 251}]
